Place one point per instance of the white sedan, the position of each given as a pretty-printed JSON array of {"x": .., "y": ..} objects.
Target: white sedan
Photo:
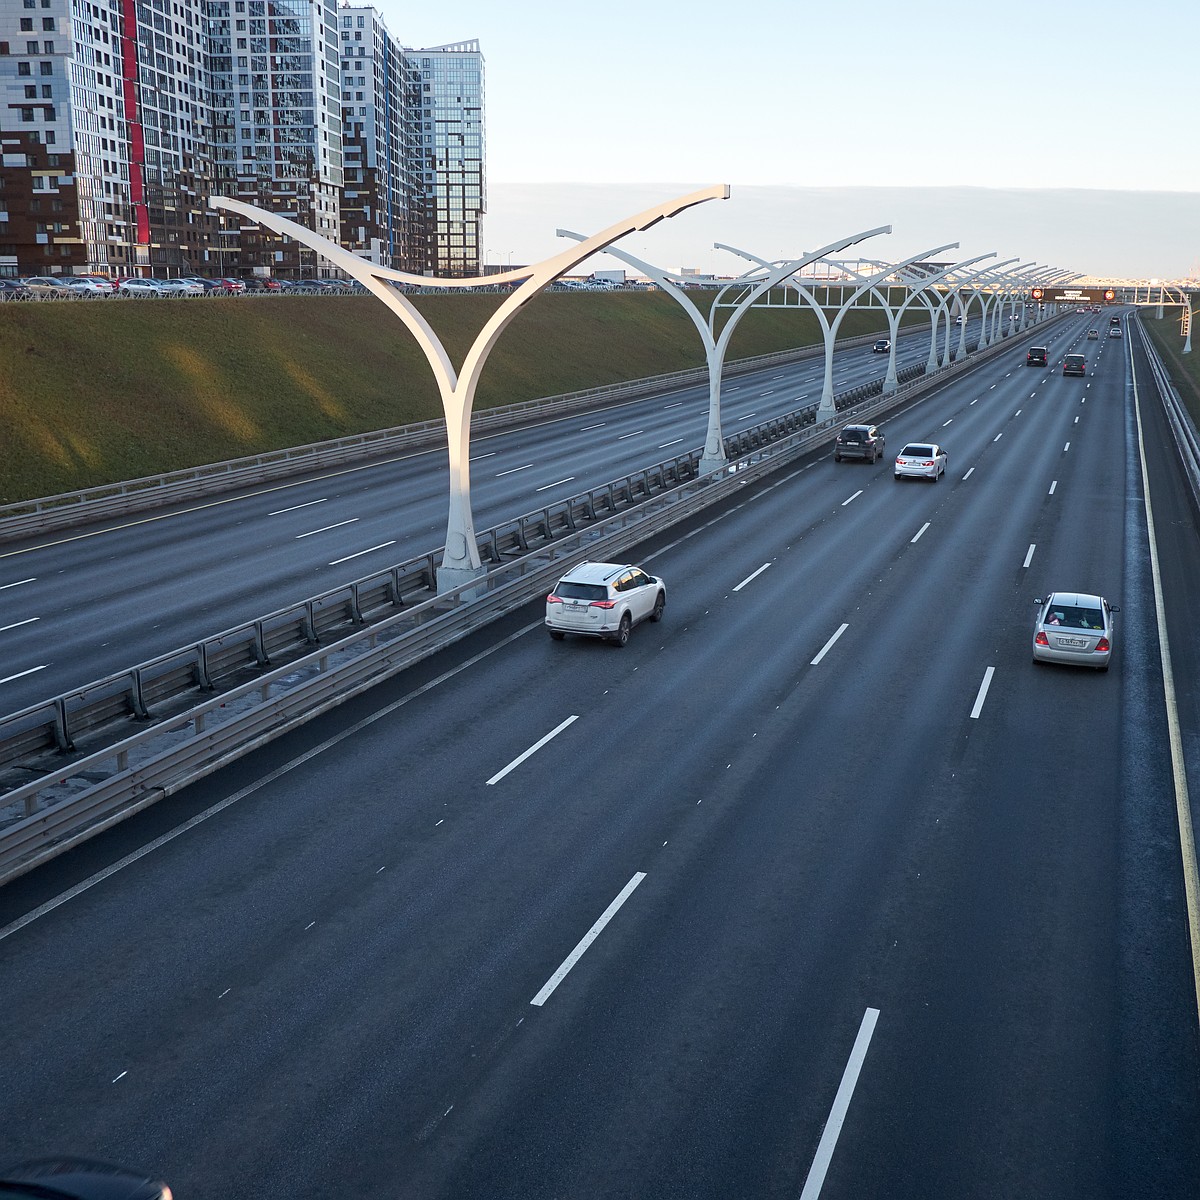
[
  {"x": 139, "y": 287},
  {"x": 85, "y": 286},
  {"x": 180, "y": 287},
  {"x": 921, "y": 460}
]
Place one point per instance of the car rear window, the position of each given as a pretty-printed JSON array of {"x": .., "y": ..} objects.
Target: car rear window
[
  {"x": 581, "y": 591},
  {"x": 916, "y": 452},
  {"x": 852, "y": 435},
  {"x": 1075, "y": 618},
  {"x": 1075, "y": 358}
]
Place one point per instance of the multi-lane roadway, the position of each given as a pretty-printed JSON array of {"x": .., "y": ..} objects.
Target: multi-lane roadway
[{"x": 819, "y": 888}]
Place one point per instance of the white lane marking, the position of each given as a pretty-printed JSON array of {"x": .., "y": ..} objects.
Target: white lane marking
[
  {"x": 1029, "y": 554},
  {"x": 674, "y": 443},
  {"x": 998, "y": 436},
  {"x": 587, "y": 427},
  {"x": 516, "y": 762},
  {"x": 326, "y": 528},
  {"x": 18, "y": 624},
  {"x": 978, "y": 398},
  {"x": 22, "y": 674},
  {"x": 969, "y": 473},
  {"x": 841, "y": 1104},
  {"x": 1076, "y": 421},
  {"x": 766, "y": 393},
  {"x": 747, "y": 416},
  {"x": 751, "y": 577},
  {"x": 1017, "y": 413},
  {"x": 623, "y": 436},
  {"x": 120, "y": 1077},
  {"x": 588, "y": 938},
  {"x": 514, "y": 470},
  {"x": 1066, "y": 447},
  {"x": 85, "y": 885},
  {"x": 489, "y": 454},
  {"x": 1032, "y": 394},
  {"x": 675, "y": 405},
  {"x": 295, "y": 507},
  {"x": 5, "y": 586},
  {"x": 829, "y": 645},
  {"x": 854, "y": 497},
  {"x": 1053, "y": 485},
  {"x": 917, "y": 536},
  {"x": 569, "y": 479},
  {"x": 950, "y": 422},
  {"x": 983, "y": 691},
  {"x": 360, "y": 553}
]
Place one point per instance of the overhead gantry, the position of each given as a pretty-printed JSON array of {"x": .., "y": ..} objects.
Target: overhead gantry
[{"x": 461, "y": 562}]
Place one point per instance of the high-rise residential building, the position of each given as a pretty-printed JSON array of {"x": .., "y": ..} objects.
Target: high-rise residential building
[{"x": 452, "y": 155}]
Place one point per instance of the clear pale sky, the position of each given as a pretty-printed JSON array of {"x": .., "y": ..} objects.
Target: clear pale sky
[{"x": 765, "y": 94}]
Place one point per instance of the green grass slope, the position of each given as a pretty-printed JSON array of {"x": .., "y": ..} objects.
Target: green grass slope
[
  {"x": 96, "y": 392},
  {"x": 1184, "y": 368}
]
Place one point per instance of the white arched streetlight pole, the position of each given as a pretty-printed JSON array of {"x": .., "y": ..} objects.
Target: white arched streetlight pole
[{"x": 461, "y": 562}]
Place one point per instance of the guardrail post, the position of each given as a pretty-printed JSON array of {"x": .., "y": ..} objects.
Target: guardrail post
[
  {"x": 136, "y": 702},
  {"x": 309, "y": 624},
  {"x": 260, "y": 646},
  {"x": 355, "y": 606},
  {"x": 202, "y": 680},
  {"x": 62, "y": 739}
]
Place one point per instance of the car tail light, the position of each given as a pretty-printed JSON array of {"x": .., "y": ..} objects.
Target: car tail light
[
  {"x": 1102, "y": 645},
  {"x": 1042, "y": 639},
  {"x": 928, "y": 464},
  {"x": 603, "y": 603},
  {"x": 553, "y": 599}
]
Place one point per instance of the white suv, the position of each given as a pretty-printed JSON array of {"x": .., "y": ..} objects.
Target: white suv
[{"x": 604, "y": 600}]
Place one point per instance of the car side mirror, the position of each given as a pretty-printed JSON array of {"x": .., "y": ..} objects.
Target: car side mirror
[
  {"x": 1114, "y": 608},
  {"x": 1037, "y": 600}
]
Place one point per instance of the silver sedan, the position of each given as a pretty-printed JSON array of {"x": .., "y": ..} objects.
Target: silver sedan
[
  {"x": 920, "y": 460},
  {"x": 1075, "y": 628}
]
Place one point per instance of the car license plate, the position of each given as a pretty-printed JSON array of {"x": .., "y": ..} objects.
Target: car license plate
[{"x": 1063, "y": 641}]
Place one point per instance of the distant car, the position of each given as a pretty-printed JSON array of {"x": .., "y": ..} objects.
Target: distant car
[
  {"x": 1038, "y": 356},
  {"x": 1074, "y": 364},
  {"x": 920, "y": 460},
  {"x": 881, "y": 347},
  {"x": 1075, "y": 628},
  {"x": 958, "y": 320},
  {"x": 232, "y": 287},
  {"x": 859, "y": 441},
  {"x": 105, "y": 280},
  {"x": 139, "y": 287},
  {"x": 180, "y": 287},
  {"x": 14, "y": 289},
  {"x": 257, "y": 283},
  {"x": 47, "y": 285},
  {"x": 1093, "y": 334},
  {"x": 71, "y": 1178},
  {"x": 83, "y": 286},
  {"x": 1115, "y": 331},
  {"x": 206, "y": 285},
  {"x": 604, "y": 600}
]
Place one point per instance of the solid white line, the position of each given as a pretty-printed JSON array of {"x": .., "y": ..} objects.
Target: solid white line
[
  {"x": 748, "y": 578},
  {"x": 294, "y": 507},
  {"x": 675, "y": 405},
  {"x": 587, "y": 939},
  {"x": 360, "y": 553},
  {"x": 5, "y": 586},
  {"x": 950, "y": 422},
  {"x": 548, "y": 486},
  {"x": 22, "y": 674},
  {"x": 969, "y": 473},
  {"x": 623, "y": 436},
  {"x": 489, "y": 454},
  {"x": 1053, "y": 485},
  {"x": 829, "y": 644},
  {"x": 1066, "y": 447},
  {"x": 587, "y": 427},
  {"x": 325, "y": 528},
  {"x": 978, "y": 398},
  {"x": 516, "y": 762},
  {"x": 917, "y": 536},
  {"x": 1029, "y": 554},
  {"x": 854, "y": 497},
  {"x": 747, "y": 416},
  {"x": 514, "y": 470},
  {"x": 18, "y": 624},
  {"x": 841, "y": 1104},
  {"x": 998, "y": 436},
  {"x": 983, "y": 691},
  {"x": 674, "y": 443}
]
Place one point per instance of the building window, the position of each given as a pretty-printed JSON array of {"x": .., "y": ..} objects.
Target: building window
[
  {"x": 30, "y": 91},
  {"x": 26, "y": 24},
  {"x": 47, "y": 24},
  {"x": 49, "y": 137},
  {"x": 45, "y": 68},
  {"x": 31, "y": 48},
  {"x": 47, "y": 91},
  {"x": 23, "y": 68},
  {"x": 27, "y": 114},
  {"x": 47, "y": 47}
]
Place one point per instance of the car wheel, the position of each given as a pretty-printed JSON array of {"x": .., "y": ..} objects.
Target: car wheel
[
  {"x": 837, "y": 458},
  {"x": 659, "y": 605},
  {"x": 557, "y": 634},
  {"x": 621, "y": 637},
  {"x": 896, "y": 478},
  {"x": 874, "y": 458},
  {"x": 1103, "y": 668}
]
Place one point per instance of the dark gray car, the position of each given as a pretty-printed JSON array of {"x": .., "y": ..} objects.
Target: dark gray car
[{"x": 858, "y": 441}]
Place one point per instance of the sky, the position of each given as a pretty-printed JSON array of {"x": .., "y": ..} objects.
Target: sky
[{"x": 958, "y": 111}]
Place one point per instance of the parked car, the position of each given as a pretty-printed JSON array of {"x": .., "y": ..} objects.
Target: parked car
[
  {"x": 82, "y": 286},
  {"x": 604, "y": 600},
  {"x": 70, "y": 1178},
  {"x": 180, "y": 287},
  {"x": 139, "y": 287},
  {"x": 231, "y": 286},
  {"x": 1075, "y": 628},
  {"x": 14, "y": 289},
  {"x": 1038, "y": 356},
  {"x": 882, "y": 346},
  {"x": 859, "y": 441},
  {"x": 257, "y": 283},
  {"x": 106, "y": 280},
  {"x": 206, "y": 285},
  {"x": 921, "y": 460},
  {"x": 47, "y": 285},
  {"x": 1074, "y": 364}
]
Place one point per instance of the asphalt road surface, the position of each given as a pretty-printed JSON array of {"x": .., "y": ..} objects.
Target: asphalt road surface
[{"x": 818, "y": 888}]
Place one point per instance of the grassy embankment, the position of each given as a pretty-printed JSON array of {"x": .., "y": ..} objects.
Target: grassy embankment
[
  {"x": 1184, "y": 368},
  {"x": 96, "y": 392}
]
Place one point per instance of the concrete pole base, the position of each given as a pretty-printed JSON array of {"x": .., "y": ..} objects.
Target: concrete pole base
[
  {"x": 711, "y": 464},
  {"x": 449, "y": 578}
]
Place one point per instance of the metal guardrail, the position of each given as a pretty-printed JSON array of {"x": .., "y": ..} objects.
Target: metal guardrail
[
  {"x": 74, "y": 801},
  {"x": 40, "y": 515},
  {"x": 1179, "y": 420}
]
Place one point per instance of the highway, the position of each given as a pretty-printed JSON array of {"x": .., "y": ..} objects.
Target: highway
[
  {"x": 79, "y": 605},
  {"x": 819, "y": 888}
]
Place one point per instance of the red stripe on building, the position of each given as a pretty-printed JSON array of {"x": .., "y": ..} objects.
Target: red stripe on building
[{"x": 133, "y": 114}]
